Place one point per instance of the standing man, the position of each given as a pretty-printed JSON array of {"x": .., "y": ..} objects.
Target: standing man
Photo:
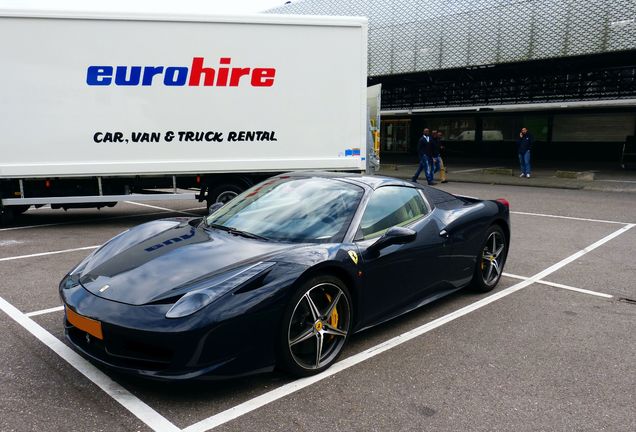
[
  {"x": 425, "y": 153},
  {"x": 438, "y": 162},
  {"x": 524, "y": 145}
]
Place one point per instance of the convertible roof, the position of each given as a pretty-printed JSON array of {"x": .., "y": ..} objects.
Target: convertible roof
[
  {"x": 373, "y": 182},
  {"x": 435, "y": 196}
]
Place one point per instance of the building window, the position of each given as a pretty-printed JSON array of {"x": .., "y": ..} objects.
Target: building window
[
  {"x": 507, "y": 128},
  {"x": 453, "y": 128},
  {"x": 395, "y": 136},
  {"x": 593, "y": 127}
]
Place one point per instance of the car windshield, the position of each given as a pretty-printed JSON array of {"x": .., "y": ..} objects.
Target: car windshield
[{"x": 297, "y": 210}]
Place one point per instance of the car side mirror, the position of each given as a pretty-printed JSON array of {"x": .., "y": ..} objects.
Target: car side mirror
[
  {"x": 214, "y": 207},
  {"x": 394, "y": 235}
]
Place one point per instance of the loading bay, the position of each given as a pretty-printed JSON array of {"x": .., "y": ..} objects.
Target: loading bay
[{"x": 551, "y": 348}]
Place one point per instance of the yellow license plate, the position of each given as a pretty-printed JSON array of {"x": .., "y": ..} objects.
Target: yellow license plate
[{"x": 90, "y": 326}]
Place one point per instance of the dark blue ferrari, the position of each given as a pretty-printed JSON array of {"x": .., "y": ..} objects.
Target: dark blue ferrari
[{"x": 280, "y": 276}]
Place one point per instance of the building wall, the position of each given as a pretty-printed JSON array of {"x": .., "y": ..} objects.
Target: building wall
[
  {"x": 407, "y": 36},
  {"x": 592, "y": 135}
]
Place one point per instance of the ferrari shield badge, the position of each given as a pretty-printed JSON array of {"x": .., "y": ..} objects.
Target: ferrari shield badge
[{"x": 354, "y": 256}]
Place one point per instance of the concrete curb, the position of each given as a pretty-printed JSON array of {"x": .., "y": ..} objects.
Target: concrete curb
[
  {"x": 498, "y": 171},
  {"x": 578, "y": 175},
  {"x": 494, "y": 176}
]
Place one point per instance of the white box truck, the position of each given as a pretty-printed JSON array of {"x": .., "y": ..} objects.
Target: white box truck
[{"x": 102, "y": 106}]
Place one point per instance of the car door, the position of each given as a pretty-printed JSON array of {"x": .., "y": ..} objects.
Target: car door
[{"x": 399, "y": 275}]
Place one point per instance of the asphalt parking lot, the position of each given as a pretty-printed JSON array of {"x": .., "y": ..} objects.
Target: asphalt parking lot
[{"x": 552, "y": 348}]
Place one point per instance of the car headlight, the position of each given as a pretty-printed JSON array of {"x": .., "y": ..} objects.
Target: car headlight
[
  {"x": 199, "y": 298},
  {"x": 70, "y": 281}
]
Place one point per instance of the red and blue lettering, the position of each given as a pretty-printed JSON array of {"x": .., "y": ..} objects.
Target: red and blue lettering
[{"x": 197, "y": 75}]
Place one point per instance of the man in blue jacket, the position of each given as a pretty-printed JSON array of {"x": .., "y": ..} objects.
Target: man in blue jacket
[
  {"x": 425, "y": 153},
  {"x": 524, "y": 145}
]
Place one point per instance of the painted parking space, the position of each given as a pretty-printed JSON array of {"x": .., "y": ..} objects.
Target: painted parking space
[
  {"x": 529, "y": 362},
  {"x": 545, "y": 241},
  {"x": 611, "y": 269},
  {"x": 41, "y": 391},
  {"x": 31, "y": 284},
  {"x": 46, "y": 217},
  {"x": 537, "y": 241}
]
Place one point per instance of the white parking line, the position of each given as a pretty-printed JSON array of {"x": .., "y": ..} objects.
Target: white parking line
[
  {"x": 48, "y": 253},
  {"x": 473, "y": 170},
  {"x": 98, "y": 219},
  {"x": 59, "y": 251},
  {"x": 571, "y": 288},
  {"x": 287, "y": 389},
  {"x": 558, "y": 285},
  {"x": 160, "y": 208},
  {"x": 10, "y": 242},
  {"x": 45, "y": 311},
  {"x": 141, "y": 410},
  {"x": 194, "y": 208},
  {"x": 569, "y": 217},
  {"x": 617, "y": 181}
]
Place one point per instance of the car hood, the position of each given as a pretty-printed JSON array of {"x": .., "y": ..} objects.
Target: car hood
[{"x": 148, "y": 262}]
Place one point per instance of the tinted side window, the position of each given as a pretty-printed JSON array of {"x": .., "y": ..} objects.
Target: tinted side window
[{"x": 390, "y": 206}]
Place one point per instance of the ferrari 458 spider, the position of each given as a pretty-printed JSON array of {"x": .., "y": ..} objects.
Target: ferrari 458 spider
[{"x": 280, "y": 276}]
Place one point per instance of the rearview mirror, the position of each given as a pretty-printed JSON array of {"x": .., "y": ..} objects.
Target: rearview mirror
[
  {"x": 394, "y": 235},
  {"x": 214, "y": 207}
]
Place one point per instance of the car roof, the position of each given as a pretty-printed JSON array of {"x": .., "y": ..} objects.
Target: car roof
[{"x": 373, "y": 182}]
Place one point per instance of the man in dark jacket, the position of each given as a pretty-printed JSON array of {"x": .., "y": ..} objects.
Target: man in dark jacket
[
  {"x": 425, "y": 153},
  {"x": 524, "y": 145},
  {"x": 438, "y": 162}
]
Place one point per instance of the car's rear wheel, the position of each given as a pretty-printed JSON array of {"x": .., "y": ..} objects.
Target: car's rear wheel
[
  {"x": 315, "y": 327},
  {"x": 491, "y": 260}
]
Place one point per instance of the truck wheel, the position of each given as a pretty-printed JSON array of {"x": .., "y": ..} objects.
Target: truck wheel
[
  {"x": 7, "y": 215},
  {"x": 223, "y": 193}
]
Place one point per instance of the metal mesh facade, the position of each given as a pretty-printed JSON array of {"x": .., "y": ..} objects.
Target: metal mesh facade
[
  {"x": 407, "y": 36},
  {"x": 600, "y": 77}
]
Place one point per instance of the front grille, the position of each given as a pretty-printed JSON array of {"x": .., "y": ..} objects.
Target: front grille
[{"x": 121, "y": 350}]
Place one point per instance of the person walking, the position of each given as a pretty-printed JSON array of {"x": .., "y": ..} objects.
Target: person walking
[
  {"x": 425, "y": 153},
  {"x": 524, "y": 145},
  {"x": 438, "y": 161}
]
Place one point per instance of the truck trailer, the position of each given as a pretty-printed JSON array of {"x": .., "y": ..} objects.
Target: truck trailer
[{"x": 103, "y": 106}]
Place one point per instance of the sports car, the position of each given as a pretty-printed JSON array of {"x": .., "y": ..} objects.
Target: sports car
[{"x": 282, "y": 275}]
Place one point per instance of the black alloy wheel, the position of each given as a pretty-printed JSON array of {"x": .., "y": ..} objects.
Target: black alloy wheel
[
  {"x": 491, "y": 260},
  {"x": 315, "y": 327}
]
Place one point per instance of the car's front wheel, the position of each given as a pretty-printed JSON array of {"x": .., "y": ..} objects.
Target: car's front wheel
[
  {"x": 315, "y": 327},
  {"x": 491, "y": 260}
]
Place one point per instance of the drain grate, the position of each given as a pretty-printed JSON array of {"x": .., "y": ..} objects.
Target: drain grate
[{"x": 627, "y": 300}]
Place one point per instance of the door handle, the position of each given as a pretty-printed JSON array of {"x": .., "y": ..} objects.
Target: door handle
[{"x": 444, "y": 233}]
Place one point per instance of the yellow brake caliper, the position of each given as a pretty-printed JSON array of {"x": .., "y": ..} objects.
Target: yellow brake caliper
[{"x": 333, "y": 319}]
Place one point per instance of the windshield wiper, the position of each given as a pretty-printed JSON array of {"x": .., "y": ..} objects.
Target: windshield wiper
[{"x": 236, "y": 231}]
